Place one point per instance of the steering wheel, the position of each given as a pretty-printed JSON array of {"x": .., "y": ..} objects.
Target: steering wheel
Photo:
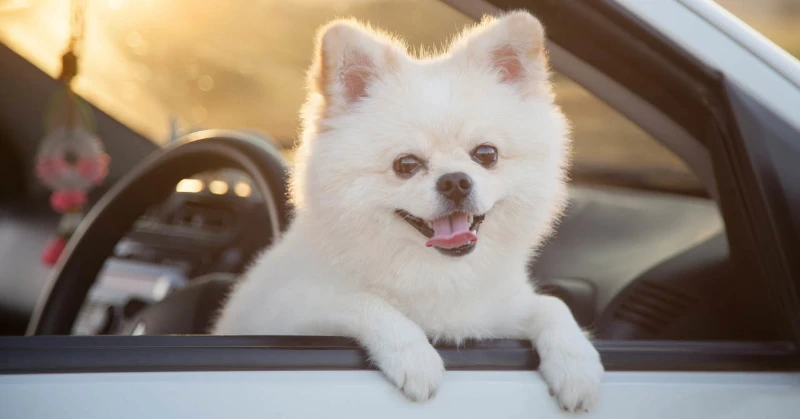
[{"x": 150, "y": 182}]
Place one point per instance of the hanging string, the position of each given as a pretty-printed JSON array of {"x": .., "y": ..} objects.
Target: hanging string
[{"x": 69, "y": 61}]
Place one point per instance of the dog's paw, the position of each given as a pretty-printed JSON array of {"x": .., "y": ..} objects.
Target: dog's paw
[
  {"x": 573, "y": 372},
  {"x": 417, "y": 369}
]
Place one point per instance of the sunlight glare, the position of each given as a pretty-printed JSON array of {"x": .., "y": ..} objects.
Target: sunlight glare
[{"x": 115, "y": 4}]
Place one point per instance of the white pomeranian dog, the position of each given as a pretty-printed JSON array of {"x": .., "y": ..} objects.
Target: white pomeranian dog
[{"x": 422, "y": 187}]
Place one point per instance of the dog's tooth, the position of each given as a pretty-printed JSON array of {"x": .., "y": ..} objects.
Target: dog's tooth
[{"x": 470, "y": 219}]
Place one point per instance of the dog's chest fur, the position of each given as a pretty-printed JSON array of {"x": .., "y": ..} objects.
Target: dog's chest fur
[
  {"x": 468, "y": 314},
  {"x": 450, "y": 299}
]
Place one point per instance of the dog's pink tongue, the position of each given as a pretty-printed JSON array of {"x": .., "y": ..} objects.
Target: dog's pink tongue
[{"x": 451, "y": 232}]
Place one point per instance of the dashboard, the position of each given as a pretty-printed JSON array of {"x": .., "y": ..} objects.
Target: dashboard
[{"x": 205, "y": 226}]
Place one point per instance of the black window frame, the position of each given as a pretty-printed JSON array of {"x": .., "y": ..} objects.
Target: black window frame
[
  {"x": 97, "y": 354},
  {"x": 633, "y": 54}
]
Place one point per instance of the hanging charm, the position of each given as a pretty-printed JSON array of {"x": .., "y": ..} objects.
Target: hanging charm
[{"x": 71, "y": 160}]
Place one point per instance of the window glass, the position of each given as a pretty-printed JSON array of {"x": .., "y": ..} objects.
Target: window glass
[
  {"x": 163, "y": 67},
  {"x": 610, "y": 149}
]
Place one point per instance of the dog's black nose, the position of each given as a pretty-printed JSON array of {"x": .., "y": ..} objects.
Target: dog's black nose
[{"x": 454, "y": 186}]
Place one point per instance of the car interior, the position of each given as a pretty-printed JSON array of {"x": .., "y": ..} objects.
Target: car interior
[{"x": 641, "y": 253}]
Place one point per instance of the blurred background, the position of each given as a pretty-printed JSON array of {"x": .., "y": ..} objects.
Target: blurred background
[{"x": 164, "y": 68}]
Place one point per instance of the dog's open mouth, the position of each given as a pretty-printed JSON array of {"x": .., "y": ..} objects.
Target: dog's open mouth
[{"x": 453, "y": 235}]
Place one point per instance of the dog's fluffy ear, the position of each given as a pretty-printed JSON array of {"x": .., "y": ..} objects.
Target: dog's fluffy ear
[
  {"x": 349, "y": 58},
  {"x": 511, "y": 46}
]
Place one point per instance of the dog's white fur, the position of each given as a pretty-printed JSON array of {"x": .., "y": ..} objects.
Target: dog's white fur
[{"x": 349, "y": 266}]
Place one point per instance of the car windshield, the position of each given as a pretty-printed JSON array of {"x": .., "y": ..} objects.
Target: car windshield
[{"x": 167, "y": 67}]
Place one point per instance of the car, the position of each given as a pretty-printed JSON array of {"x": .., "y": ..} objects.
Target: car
[{"x": 677, "y": 250}]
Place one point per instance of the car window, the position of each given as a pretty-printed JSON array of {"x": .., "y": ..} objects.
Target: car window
[
  {"x": 165, "y": 67},
  {"x": 610, "y": 149}
]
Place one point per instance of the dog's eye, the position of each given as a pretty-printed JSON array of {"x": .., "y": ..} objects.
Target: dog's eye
[
  {"x": 407, "y": 165},
  {"x": 486, "y": 155}
]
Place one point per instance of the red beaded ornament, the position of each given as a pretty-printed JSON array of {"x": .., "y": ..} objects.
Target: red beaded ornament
[{"x": 71, "y": 159}]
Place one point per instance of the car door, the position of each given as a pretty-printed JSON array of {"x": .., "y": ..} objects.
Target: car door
[{"x": 293, "y": 377}]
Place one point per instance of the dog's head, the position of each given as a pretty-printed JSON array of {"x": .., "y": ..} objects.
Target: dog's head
[{"x": 456, "y": 151}]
